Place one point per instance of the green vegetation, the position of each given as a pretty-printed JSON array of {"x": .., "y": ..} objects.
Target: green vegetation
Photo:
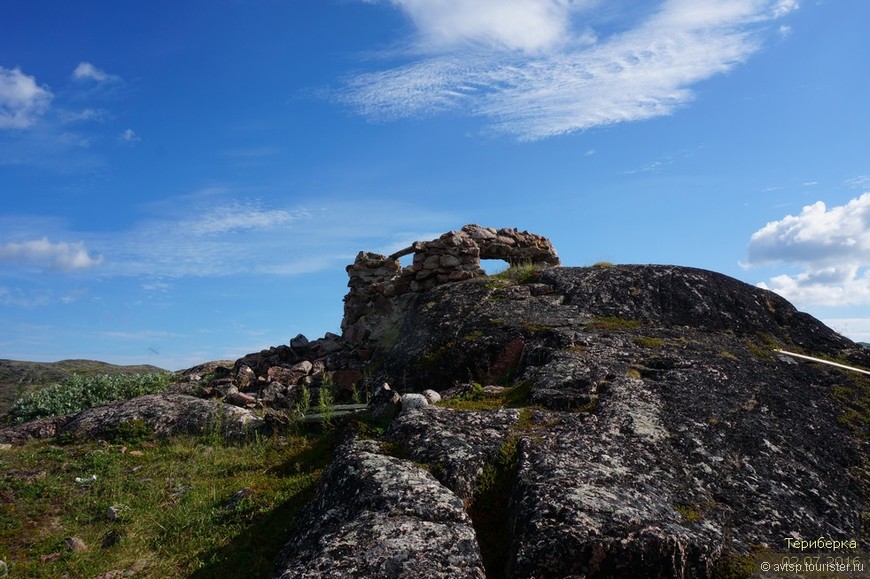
[
  {"x": 613, "y": 323},
  {"x": 534, "y": 328},
  {"x": 477, "y": 398},
  {"x": 303, "y": 407},
  {"x": 688, "y": 513},
  {"x": 854, "y": 396},
  {"x": 648, "y": 342},
  {"x": 435, "y": 357},
  {"x": 602, "y": 265},
  {"x": 17, "y": 378},
  {"x": 181, "y": 507},
  {"x": 78, "y": 393},
  {"x": 471, "y": 337},
  {"x": 764, "y": 346},
  {"x": 519, "y": 273},
  {"x": 325, "y": 402},
  {"x": 735, "y": 567},
  {"x": 488, "y": 508}
]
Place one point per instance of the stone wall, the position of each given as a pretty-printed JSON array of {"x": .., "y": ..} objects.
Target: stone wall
[{"x": 380, "y": 287}]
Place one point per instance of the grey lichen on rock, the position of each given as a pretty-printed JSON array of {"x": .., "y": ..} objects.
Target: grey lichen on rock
[{"x": 379, "y": 516}]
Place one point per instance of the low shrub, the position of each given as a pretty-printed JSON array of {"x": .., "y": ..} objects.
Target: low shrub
[{"x": 79, "y": 393}]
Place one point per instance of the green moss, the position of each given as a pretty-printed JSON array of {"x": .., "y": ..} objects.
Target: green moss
[
  {"x": 471, "y": 337},
  {"x": 853, "y": 395},
  {"x": 735, "y": 567},
  {"x": 534, "y": 328},
  {"x": 397, "y": 449},
  {"x": 476, "y": 399},
  {"x": 435, "y": 357},
  {"x": 613, "y": 323},
  {"x": 763, "y": 345},
  {"x": 602, "y": 265},
  {"x": 488, "y": 508},
  {"x": 648, "y": 342},
  {"x": 689, "y": 513}
]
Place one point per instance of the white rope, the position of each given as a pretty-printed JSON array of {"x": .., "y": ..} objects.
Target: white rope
[{"x": 812, "y": 359}]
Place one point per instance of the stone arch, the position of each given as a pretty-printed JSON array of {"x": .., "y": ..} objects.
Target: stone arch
[{"x": 378, "y": 283}]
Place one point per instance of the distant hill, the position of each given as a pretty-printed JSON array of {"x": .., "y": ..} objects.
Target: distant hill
[
  {"x": 865, "y": 344},
  {"x": 18, "y": 377}
]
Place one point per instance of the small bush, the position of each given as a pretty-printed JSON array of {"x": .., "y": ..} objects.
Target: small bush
[{"x": 78, "y": 393}]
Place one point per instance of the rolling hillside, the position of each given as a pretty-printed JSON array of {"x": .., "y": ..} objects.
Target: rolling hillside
[{"x": 17, "y": 377}]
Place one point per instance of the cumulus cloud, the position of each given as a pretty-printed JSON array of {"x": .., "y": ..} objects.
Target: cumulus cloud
[
  {"x": 831, "y": 245},
  {"x": 22, "y": 100},
  {"x": 539, "y": 68},
  {"x": 61, "y": 256},
  {"x": 87, "y": 71}
]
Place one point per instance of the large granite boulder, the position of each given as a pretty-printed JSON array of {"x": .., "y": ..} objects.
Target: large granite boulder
[{"x": 661, "y": 434}]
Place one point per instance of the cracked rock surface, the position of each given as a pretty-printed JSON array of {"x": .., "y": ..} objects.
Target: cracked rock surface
[
  {"x": 379, "y": 516},
  {"x": 662, "y": 436}
]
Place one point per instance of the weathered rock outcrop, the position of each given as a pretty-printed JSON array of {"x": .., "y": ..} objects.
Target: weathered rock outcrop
[
  {"x": 164, "y": 415},
  {"x": 378, "y": 516},
  {"x": 660, "y": 434}
]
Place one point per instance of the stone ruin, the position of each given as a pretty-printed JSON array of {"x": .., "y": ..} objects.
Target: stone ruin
[
  {"x": 380, "y": 287},
  {"x": 380, "y": 292}
]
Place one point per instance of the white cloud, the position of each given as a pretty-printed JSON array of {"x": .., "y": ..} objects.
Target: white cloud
[
  {"x": 87, "y": 71},
  {"x": 22, "y": 101},
  {"x": 241, "y": 216},
  {"x": 212, "y": 236},
  {"x": 61, "y": 256},
  {"x": 783, "y": 7},
  {"x": 527, "y": 25},
  {"x": 539, "y": 68},
  {"x": 129, "y": 136},
  {"x": 832, "y": 245},
  {"x": 84, "y": 115},
  {"x": 859, "y": 182}
]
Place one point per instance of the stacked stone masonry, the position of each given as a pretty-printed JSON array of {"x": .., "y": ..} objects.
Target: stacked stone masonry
[{"x": 379, "y": 285}]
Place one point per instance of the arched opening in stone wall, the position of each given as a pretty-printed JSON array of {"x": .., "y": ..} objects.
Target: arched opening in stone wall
[
  {"x": 494, "y": 266},
  {"x": 406, "y": 260}
]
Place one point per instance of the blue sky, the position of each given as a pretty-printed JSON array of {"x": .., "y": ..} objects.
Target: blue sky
[{"x": 185, "y": 181}]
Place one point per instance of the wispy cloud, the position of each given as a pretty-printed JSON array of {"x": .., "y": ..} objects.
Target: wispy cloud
[
  {"x": 60, "y": 256},
  {"x": 86, "y": 71},
  {"x": 831, "y": 245},
  {"x": 218, "y": 235},
  {"x": 539, "y": 68},
  {"x": 129, "y": 136},
  {"x": 22, "y": 100}
]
